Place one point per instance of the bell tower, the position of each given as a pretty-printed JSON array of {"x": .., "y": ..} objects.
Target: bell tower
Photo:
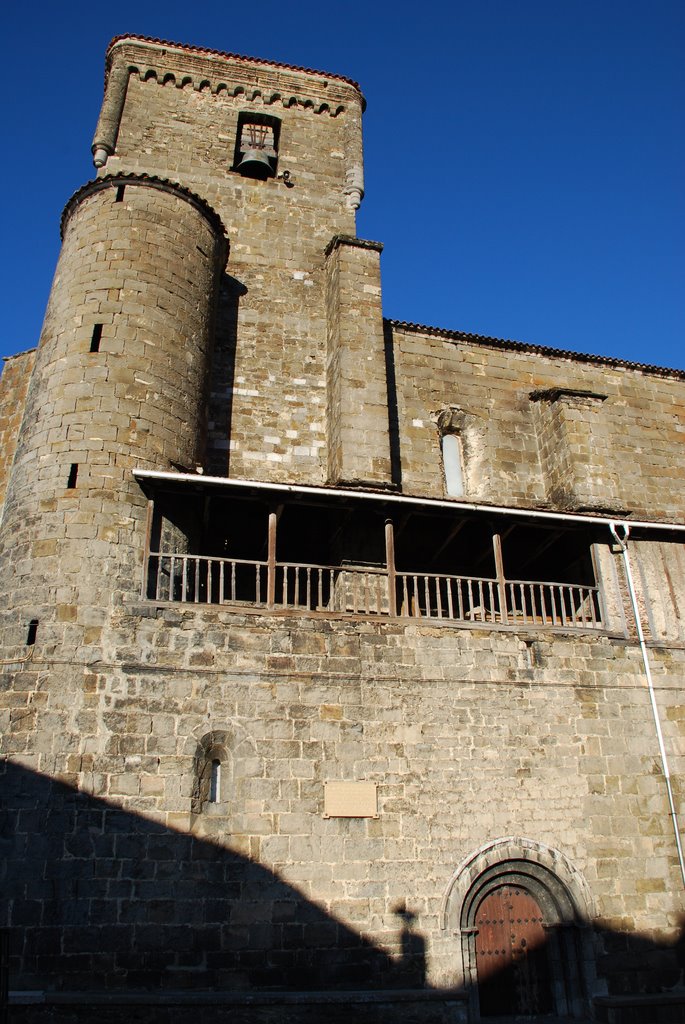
[
  {"x": 277, "y": 152},
  {"x": 155, "y": 353}
]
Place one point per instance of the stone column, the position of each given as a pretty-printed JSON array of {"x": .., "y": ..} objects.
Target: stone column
[{"x": 358, "y": 428}]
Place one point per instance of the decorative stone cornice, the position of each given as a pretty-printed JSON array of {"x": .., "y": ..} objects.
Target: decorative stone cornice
[
  {"x": 357, "y": 243},
  {"x": 204, "y": 51},
  {"x": 179, "y": 66},
  {"x": 250, "y": 95}
]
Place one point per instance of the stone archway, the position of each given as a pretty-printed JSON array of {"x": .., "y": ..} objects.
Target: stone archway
[{"x": 520, "y": 910}]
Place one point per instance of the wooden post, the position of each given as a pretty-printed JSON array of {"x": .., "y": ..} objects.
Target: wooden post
[
  {"x": 271, "y": 561},
  {"x": 499, "y": 569},
  {"x": 146, "y": 554},
  {"x": 390, "y": 566}
]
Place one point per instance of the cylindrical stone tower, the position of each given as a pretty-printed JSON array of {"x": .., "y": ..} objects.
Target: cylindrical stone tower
[{"x": 120, "y": 382}]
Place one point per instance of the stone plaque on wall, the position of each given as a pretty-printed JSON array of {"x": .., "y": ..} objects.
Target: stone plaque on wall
[{"x": 350, "y": 800}]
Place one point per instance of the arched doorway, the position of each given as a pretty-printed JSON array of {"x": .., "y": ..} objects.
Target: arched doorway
[{"x": 520, "y": 910}]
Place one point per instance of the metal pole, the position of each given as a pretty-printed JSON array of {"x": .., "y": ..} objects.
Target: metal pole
[{"x": 623, "y": 545}]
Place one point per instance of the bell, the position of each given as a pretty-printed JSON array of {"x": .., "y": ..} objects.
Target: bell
[{"x": 255, "y": 164}]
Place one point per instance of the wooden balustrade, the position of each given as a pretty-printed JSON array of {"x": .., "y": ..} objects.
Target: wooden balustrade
[
  {"x": 199, "y": 579},
  {"x": 359, "y": 590}
]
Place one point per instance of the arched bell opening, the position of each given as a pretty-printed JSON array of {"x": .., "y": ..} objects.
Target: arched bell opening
[{"x": 256, "y": 147}]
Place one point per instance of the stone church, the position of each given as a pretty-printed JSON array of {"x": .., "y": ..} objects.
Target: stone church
[{"x": 341, "y": 657}]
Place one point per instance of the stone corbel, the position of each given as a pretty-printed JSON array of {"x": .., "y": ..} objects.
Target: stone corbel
[
  {"x": 354, "y": 187},
  {"x": 105, "y": 139},
  {"x": 451, "y": 420}
]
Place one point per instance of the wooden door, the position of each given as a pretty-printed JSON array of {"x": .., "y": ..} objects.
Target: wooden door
[{"x": 511, "y": 958}]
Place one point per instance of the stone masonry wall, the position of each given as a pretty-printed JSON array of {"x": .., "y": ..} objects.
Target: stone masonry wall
[
  {"x": 470, "y": 735},
  {"x": 14, "y": 382},
  {"x": 632, "y": 439},
  {"x": 569, "y": 426},
  {"x": 357, "y": 399},
  {"x": 268, "y": 410}
]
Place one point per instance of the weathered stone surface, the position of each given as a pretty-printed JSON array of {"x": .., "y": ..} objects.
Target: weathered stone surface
[
  {"x": 164, "y": 760},
  {"x": 13, "y": 386}
]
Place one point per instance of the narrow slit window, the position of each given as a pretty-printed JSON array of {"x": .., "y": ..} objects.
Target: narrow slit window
[
  {"x": 73, "y": 475},
  {"x": 215, "y": 782},
  {"x": 32, "y": 631},
  {"x": 119, "y": 198},
  {"x": 95, "y": 338},
  {"x": 452, "y": 462}
]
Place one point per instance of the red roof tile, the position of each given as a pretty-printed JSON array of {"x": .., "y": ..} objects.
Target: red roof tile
[
  {"x": 521, "y": 346},
  {"x": 233, "y": 56}
]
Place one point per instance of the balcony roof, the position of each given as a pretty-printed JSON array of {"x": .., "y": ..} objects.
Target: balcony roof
[{"x": 151, "y": 479}]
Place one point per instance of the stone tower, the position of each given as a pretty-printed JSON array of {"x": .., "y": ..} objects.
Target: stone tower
[
  {"x": 141, "y": 293},
  {"x": 191, "y": 116},
  {"x": 341, "y": 658},
  {"x": 119, "y": 379}
]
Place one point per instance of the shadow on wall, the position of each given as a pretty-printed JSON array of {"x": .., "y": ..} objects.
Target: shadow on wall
[
  {"x": 222, "y": 375},
  {"x": 393, "y": 412},
  {"x": 96, "y": 898}
]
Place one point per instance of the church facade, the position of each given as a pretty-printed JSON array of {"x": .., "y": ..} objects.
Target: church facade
[{"x": 342, "y": 657}]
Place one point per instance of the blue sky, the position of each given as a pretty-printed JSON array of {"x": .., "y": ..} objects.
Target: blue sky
[{"x": 525, "y": 160}]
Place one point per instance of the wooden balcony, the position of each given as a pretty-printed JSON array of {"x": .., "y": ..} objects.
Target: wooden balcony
[{"x": 371, "y": 590}]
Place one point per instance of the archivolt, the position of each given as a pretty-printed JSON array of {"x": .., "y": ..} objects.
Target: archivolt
[{"x": 546, "y": 873}]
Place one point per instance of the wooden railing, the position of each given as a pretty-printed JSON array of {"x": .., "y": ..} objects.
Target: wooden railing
[
  {"x": 553, "y": 604},
  {"x": 464, "y": 598},
  {"x": 357, "y": 590},
  {"x": 198, "y": 579}
]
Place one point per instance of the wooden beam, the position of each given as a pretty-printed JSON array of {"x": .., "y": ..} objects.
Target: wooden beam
[{"x": 148, "y": 538}]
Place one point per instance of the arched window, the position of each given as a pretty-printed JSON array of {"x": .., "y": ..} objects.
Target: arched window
[
  {"x": 215, "y": 781},
  {"x": 453, "y": 466},
  {"x": 451, "y": 425},
  {"x": 213, "y": 775},
  {"x": 225, "y": 762}
]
